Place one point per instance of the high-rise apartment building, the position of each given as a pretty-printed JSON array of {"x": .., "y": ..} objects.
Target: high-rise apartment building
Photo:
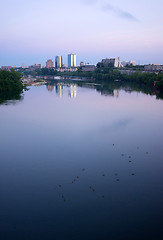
[
  {"x": 114, "y": 61},
  {"x": 71, "y": 60},
  {"x": 58, "y": 61},
  {"x": 49, "y": 63}
]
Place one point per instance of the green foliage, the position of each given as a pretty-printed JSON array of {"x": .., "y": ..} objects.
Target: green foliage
[
  {"x": 137, "y": 67},
  {"x": 10, "y": 81},
  {"x": 101, "y": 65},
  {"x": 39, "y": 72},
  {"x": 159, "y": 81},
  {"x": 48, "y": 71},
  {"x": 108, "y": 74}
]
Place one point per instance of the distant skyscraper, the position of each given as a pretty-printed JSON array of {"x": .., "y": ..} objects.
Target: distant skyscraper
[
  {"x": 71, "y": 60},
  {"x": 58, "y": 61},
  {"x": 49, "y": 64}
]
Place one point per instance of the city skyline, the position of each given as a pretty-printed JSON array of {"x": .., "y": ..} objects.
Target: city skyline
[{"x": 131, "y": 30}]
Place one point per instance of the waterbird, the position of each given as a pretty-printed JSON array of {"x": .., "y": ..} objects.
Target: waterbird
[
  {"x": 117, "y": 179},
  {"x": 60, "y": 185},
  {"x": 83, "y": 169},
  {"x": 103, "y": 175},
  {"x": 132, "y": 174},
  {"x": 122, "y": 154}
]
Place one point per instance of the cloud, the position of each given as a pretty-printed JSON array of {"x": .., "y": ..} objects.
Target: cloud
[
  {"x": 110, "y": 8},
  {"x": 119, "y": 12}
]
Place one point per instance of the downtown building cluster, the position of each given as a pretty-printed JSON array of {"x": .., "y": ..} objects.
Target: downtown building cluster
[
  {"x": 59, "y": 62},
  {"x": 59, "y": 66}
]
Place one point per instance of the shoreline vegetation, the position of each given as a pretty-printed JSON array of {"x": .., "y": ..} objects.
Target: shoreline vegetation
[
  {"x": 12, "y": 85},
  {"x": 107, "y": 88},
  {"x": 10, "y": 81},
  {"x": 108, "y": 74}
]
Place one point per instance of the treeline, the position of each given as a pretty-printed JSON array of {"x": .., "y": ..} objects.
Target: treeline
[
  {"x": 10, "y": 81},
  {"x": 109, "y": 74},
  {"x": 145, "y": 78},
  {"x": 40, "y": 72}
]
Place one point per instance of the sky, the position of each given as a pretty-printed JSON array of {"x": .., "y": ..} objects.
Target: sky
[{"x": 32, "y": 31}]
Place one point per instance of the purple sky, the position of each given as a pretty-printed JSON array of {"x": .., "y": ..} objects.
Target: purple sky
[{"x": 35, "y": 30}]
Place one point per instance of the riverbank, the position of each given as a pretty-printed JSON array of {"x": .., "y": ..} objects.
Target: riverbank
[
  {"x": 33, "y": 81},
  {"x": 106, "y": 74}
]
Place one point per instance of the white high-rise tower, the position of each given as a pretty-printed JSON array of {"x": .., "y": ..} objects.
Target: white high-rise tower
[{"x": 71, "y": 60}]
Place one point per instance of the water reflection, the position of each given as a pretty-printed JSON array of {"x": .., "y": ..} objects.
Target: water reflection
[
  {"x": 72, "y": 91},
  {"x": 50, "y": 87},
  {"x": 59, "y": 89},
  {"x": 107, "y": 89},
  {"x": 116, "y": 93},
  {"x": 83, "y": 169},
  {"x": 10, "y": 98}
]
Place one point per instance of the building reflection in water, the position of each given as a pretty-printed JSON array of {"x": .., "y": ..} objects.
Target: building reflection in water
[
  {"x": 111, "y": 89},
  {"x": 116, "y": 93},
  {"x": 59, "y": 88},
  {"x": 72, "y": 91},
  {"x": 50, "y": 87},
  {"x": 109, "y": 92}
]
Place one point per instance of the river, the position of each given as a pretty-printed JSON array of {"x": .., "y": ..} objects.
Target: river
[{"x": 81, "y": 162}]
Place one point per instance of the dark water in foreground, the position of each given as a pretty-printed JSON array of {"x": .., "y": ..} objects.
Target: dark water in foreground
[{"x": 75, "y": 164}]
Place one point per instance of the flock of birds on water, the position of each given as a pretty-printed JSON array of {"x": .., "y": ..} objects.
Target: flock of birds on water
[{"x": 75, "y": 179}]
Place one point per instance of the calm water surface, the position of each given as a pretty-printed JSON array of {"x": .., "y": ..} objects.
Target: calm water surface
[{"x": 76, "y": 164}]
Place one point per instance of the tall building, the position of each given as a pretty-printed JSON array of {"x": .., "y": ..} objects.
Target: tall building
[
  {"x": 58, "y": 61},
  {"x": 125, "y": 63},
  {"x": 114, "y": 61},
  {"x": 49, "y": 64},
  {"x": 71, "y": 60}
]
